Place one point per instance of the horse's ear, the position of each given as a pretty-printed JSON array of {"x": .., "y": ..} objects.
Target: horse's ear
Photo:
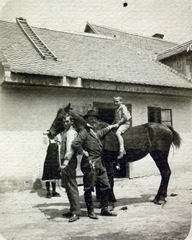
[{"x": 66, "y": 109}]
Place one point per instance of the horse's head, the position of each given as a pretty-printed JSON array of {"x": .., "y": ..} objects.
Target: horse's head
[
  {"x": 79, "y": 121},
  {"x": 57, "y": 125}
]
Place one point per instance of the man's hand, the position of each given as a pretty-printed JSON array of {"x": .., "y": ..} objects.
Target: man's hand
[
  {"x": 115, "y": 125},
  {"x": 92, "y": 164},
  {"x": 46, "y": 132},
  {"x": 85, "y": 153},
  {"x": 62, "y": 167},
  {"x": 52, "y": 141}
]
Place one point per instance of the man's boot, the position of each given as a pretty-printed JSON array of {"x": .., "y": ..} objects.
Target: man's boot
[
  {"x": 106, "y": 212},
  {"x": 89, "y": 204},
  {"x": 104, "y": 202}
]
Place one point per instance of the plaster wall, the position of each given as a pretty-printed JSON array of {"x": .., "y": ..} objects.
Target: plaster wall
[{"x": 26, "y": 112}]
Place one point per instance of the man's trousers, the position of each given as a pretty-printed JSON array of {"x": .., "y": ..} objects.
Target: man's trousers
[
  {"x": 70, "y": 184},
  {"x": 90, "y": 178}
]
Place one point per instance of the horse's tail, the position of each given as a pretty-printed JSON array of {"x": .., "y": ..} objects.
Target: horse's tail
[{"x": 176, "y": 137}]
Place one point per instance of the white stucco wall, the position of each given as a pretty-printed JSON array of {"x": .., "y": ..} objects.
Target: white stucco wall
[
  {"x": 179, "y": 159},
  {"x": 25, "y": 112}
]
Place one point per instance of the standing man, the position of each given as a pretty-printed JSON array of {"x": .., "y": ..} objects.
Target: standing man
[
  {"x": 68, "y": 168},
  {"x": 89, "y": 144}
]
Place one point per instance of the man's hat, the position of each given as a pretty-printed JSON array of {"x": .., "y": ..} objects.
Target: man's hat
[{"x": 91, "y": 113}]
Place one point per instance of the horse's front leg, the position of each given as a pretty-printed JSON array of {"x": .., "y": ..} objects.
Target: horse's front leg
[
  {"x": 161, "y": 160},
  {"x": 108, "y": 162}
]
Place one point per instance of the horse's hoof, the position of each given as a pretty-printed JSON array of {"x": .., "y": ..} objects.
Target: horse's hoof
[
  {"x": 159, "y": 201},
  {"x": 111, "y": 206}
]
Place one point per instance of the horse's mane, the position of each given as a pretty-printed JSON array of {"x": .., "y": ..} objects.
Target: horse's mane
[
  {"x": 59, "y": 112},
  {"x": 63, "y": 111}
]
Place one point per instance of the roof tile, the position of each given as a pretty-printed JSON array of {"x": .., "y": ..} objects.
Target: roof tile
[{"x": 85, "y": 56}]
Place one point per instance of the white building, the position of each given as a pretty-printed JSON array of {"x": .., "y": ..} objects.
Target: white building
[{"x": 87, "y": 70}]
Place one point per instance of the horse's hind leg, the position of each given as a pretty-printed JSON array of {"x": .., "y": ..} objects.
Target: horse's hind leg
[{"x": 161, "y": 160}]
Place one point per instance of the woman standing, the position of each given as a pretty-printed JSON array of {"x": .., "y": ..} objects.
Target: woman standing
[{"x": 51, "y": 171}]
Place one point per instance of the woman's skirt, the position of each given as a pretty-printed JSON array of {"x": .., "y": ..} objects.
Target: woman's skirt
[{"x": 51, "y": 164}]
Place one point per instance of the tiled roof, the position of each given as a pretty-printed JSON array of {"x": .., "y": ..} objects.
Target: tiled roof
[
  {"x": 149, "y": 45},
  {"x": 2, "y": 58},
  {"x": 85, "y": 56},
  {"x": 185, "y": 47}
]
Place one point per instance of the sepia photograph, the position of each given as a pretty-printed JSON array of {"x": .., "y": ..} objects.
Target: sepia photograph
[{"x": 95, "y": 119}]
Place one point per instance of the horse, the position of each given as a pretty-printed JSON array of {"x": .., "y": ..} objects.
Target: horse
[{"x": 149, "y": 138}]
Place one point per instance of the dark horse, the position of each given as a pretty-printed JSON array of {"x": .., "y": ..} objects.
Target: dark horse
[{"x": 150, "y": 138}]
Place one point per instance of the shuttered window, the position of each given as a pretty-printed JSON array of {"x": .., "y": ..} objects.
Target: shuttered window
[
  {"x": 159, "y": 115},
  {"x": 166, "y": 116}
]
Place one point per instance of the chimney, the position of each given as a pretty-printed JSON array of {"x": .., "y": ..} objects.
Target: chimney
[{"x": 158, "y": 35}]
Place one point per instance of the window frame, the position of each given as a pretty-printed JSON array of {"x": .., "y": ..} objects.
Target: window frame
[
  {"x": 155, "y": 115},
  {"x": 171, "y": 118}
]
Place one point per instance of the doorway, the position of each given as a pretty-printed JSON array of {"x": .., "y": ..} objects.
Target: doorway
[{"x": 106, "y": 112}]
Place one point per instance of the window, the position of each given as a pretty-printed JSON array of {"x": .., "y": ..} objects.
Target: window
[
  {"x": 156, "y": 114},
  {"x": 106, "y": 115},
  {"x": 166, "y": 116}
]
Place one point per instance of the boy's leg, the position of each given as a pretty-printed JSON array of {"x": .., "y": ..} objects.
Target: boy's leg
[
  {"x": 119, "y": 133},
  {"x": 121, "y": 145}
]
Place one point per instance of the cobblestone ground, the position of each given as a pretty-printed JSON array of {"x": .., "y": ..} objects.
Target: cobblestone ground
[{"x": 29, "y": 215}]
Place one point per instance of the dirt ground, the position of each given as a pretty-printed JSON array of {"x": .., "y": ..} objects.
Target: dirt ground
[{"x": 29, "y": 215}]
